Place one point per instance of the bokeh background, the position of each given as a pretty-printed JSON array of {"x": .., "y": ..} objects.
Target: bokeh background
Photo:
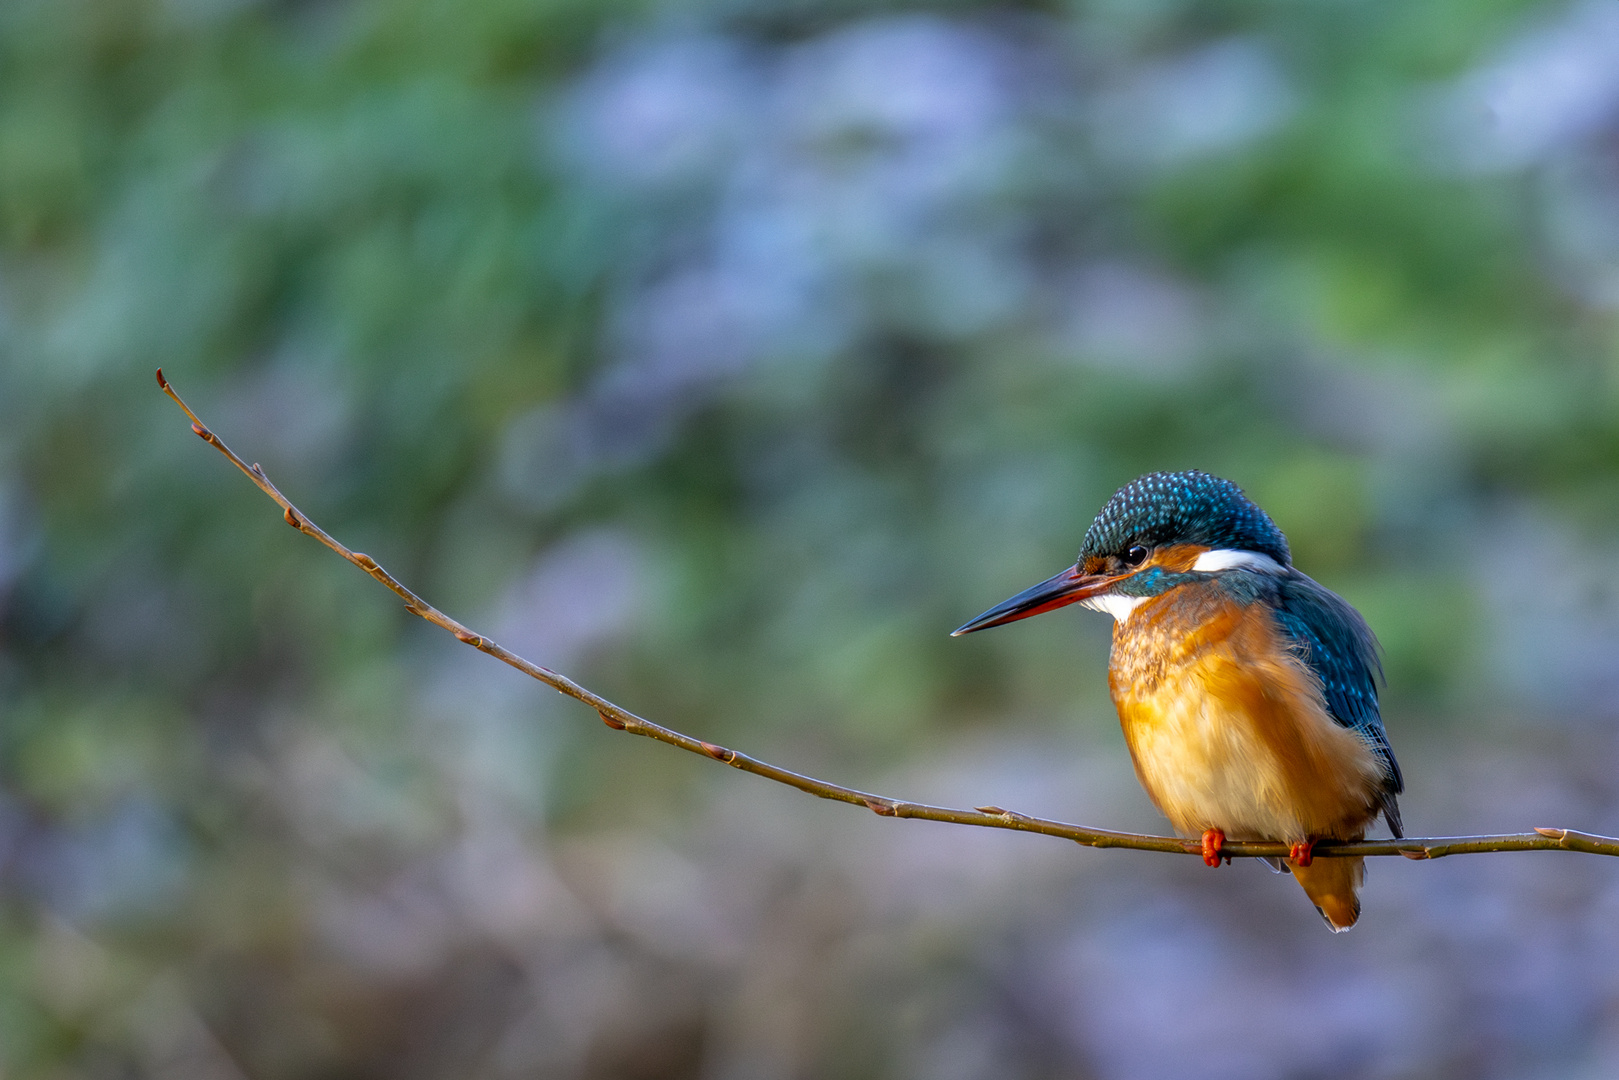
[{"x": 725, "y": 354}]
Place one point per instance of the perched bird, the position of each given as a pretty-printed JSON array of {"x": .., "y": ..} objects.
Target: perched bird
[{"x": 1247, "y": 692}]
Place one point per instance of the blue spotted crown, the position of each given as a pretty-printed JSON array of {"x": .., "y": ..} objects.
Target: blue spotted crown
[{"x": 1183, "y": 508}]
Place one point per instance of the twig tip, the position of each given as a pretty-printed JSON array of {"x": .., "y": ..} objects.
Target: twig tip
[{"x": 161, "y": 381}]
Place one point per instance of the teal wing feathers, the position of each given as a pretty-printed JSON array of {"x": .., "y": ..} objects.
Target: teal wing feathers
[{"x": 1340, "y": 648}]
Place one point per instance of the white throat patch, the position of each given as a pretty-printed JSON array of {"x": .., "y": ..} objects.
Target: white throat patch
[
  {"x": 1115, "y": 604},
  {"x": 1226, "y": 559}
]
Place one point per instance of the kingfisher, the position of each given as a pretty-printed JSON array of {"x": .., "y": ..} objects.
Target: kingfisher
[{"x": 1247, "y": 692}]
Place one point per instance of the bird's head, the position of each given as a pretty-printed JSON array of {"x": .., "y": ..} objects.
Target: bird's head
[{"x": 1152, "y": 532}]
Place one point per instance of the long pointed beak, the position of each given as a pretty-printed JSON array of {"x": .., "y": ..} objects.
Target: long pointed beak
[{"x": 1069, "y": 587}]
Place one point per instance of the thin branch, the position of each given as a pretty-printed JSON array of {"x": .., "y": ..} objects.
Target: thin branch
[{"x": 992, "y": 817}]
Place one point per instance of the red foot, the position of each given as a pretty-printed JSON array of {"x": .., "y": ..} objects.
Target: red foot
[
  {"x": 1213, "y": 841},
  {"x": 1302, "y": 854}
]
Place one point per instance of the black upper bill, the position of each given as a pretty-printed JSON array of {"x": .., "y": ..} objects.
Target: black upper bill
[{"x": 1068, "y": 587}]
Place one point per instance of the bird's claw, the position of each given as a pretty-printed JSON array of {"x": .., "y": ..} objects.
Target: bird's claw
[
  {"x": 1213, "y": 842},
  {"x": 1302, "y": 853}
]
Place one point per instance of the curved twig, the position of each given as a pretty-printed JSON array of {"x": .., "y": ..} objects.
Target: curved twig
[{"x": 992, "y": 817}]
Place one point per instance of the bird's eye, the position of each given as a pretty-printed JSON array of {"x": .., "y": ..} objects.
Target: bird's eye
[{"x": 1135, "y": 556}]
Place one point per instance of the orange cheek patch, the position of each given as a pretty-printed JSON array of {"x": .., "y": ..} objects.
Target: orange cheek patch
[{"x": 1177, "y": 558}]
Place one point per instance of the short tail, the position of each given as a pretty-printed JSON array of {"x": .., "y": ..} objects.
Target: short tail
[{"x": 1333, "y": 886}]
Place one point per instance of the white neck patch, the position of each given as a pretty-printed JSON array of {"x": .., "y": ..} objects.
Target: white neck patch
[
  {"x": 1115, "y": 604},
  {"x": 1225, "y": 559}
]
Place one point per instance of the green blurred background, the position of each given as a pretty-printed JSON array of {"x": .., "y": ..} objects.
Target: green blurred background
[{"x": 725, "y": 354}]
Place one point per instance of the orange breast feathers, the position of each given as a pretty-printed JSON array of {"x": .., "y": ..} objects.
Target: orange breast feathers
[{"x": 1227, "y": 725}]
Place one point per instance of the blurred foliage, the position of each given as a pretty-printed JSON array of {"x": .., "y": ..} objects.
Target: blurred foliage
[{"x": 724, "y": 354}]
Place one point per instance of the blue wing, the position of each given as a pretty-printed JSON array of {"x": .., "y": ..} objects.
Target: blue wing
[{"x": 1342, "y": 651}]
